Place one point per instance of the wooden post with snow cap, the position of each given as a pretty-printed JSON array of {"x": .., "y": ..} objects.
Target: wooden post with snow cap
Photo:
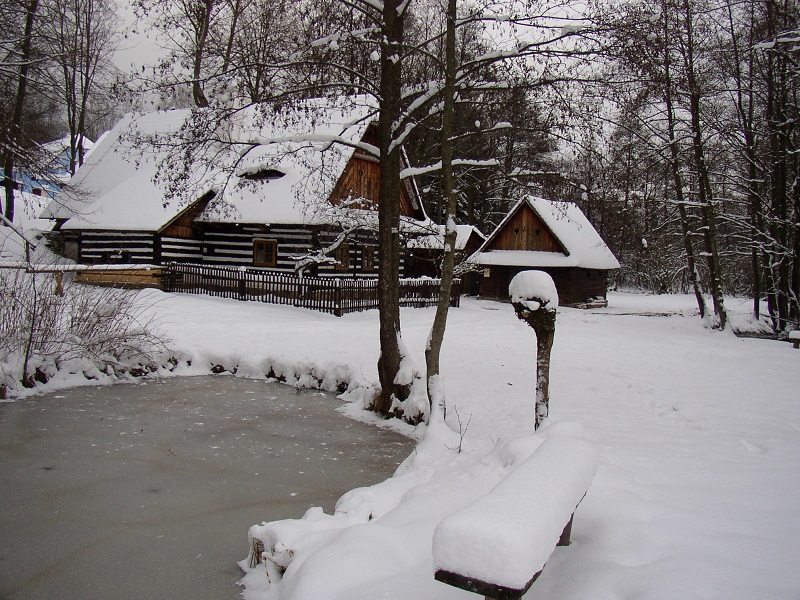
[{"x": 535, "y": 299}]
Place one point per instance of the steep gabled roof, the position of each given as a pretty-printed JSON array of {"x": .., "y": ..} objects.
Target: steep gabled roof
[
  {"x": 114, "y": 188},
  {"x": 569, "y": 239},
  {"x": 119, "y": 187}
]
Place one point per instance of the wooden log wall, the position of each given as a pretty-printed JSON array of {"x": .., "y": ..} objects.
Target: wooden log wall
[
  {"x": 124, "y": 247},
  {"x": 232, "y": 245},
  {"x": 174, "y": 249},
  {"x": 227, "y": 245},
  {"x": 525, "y": 231},
  {"x": 575, "y": 286},
  {"x": 123, "y": 278}
]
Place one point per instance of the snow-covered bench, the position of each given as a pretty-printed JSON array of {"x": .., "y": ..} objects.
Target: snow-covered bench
[
  {"x": 794, "y": 337},
  {"x": 499, "y": 545}
]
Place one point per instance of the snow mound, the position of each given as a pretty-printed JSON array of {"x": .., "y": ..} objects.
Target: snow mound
[
  {"x": 513, "y": 530},
  {"x": 534, "y": 289}
]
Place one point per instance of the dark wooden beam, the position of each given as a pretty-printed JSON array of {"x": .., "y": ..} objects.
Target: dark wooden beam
[{"x": 485, "y": 588}]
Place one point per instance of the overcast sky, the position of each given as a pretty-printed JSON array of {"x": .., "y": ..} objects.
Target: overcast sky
[{"x": 138, "y": 46}]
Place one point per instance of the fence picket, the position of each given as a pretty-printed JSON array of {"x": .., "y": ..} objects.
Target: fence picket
[{"x": 338, "y": 296}]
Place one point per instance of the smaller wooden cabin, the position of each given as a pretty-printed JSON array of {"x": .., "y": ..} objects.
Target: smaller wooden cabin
[{"x": 555, "y": 237}]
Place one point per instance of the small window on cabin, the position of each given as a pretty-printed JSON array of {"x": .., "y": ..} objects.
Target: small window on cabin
[
  {"x": 367, "y": 258},
  {"x": 342, "y": 256},
  {"x": 265, "y": 253},
  {"x": 262, "y": 175}
]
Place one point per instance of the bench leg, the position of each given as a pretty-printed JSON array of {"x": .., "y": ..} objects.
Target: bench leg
[{"x": 564, "y": 539}]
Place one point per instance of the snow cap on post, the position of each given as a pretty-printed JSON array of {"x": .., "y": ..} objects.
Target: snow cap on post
[{"x": 534, "y": 290}]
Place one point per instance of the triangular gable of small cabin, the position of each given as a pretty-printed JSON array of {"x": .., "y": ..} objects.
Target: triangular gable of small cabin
[
  {"x": 360, "y": 178},
  {"x": 523, "y": 229}
]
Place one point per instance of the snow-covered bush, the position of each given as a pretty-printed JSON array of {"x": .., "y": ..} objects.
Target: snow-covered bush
[{"x": 47, "y": 326}]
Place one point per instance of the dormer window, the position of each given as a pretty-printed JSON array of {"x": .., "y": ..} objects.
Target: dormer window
[{"x": 263, "y": 175}]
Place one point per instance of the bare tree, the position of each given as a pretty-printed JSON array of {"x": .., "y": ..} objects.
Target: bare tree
[
  {"x": 545, "y": 37},
  {"x": 80, "y": 35},
  {"x": 17, "y": 61},
  {"x": 188, "y": 25}
]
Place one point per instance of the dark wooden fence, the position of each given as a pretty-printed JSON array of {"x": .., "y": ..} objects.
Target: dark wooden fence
[{"x": 327, "y": 294}]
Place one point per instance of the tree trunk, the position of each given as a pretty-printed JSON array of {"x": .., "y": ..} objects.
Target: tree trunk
[
  {"x": 676, "y": 175},
  {"x": 436, "y": 337},
  {"x": 794, "y": 309},
  {"x": 705, "y": 193},
  {"x": 389, "y": 211},
  {"x": 236, "y": 11},
  {"x": 13, "y": 133},
  {"x": 205, "y": 8},
  {"x": 745, "y": 110},
  {"x": 543, "y": 322}
]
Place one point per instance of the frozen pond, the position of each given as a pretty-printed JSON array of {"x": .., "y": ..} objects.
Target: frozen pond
[{"x": 147, "y": 491}]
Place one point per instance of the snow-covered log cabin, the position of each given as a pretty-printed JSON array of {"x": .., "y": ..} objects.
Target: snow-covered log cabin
[
  {"x": 555, "y": 237},
  {"x": 290, "y": 195}
]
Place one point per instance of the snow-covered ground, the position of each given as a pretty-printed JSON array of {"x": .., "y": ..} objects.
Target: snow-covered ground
[{"x": 697, "y": 432}]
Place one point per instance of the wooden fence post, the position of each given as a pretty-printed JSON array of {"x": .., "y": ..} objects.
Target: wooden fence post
[
  {"x": 337, "y": 298},
  {"x": 242, "y": 285}
]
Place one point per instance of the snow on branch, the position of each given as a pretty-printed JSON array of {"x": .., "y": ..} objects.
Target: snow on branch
[
  {"x": 350, "y": 221},
  {"x": 457, "y": 162},
  {"x": 30, "y": 243},
  {"x": 785, "y": 37},
  {"x": 311, "y": 138}
]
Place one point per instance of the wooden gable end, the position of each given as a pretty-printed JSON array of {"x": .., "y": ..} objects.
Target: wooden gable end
[
  {"x": 474, "y": 241},
  {"x": 526, "y": 231},
  {"x": 181, "y": 226},
  {"x": 361, "y": 179}
]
